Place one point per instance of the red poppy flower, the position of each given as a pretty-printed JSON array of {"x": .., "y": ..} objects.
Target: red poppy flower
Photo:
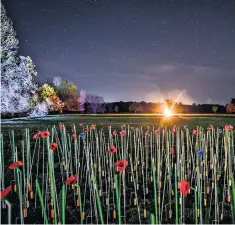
[
  {"x": 123, "y": 133},
  {"x": 184, "y": 187},
  {"x": 174, "y": 129},
  {"x": 121, "y": 165},
  {"x": 35, "y": 136},
  {"x": 112, "y": 149},
  {"x": 156, "y": 132},
  {"x": 53, "y": 146},
  {"x": 172, "y": 150},
  {"x": 74, "y": 136},
  {"x": 114, "y": 132},
  {"x": 5, "y": 192},
  {"x": 45, "y": 134},
  {"x": 81, "y": 124},
  {"x": 211, "y": 127},
  {"x": 228, "y": 127},
  {"x": 146, "y": 133},
  {"x": 15, "y": 165},
  {"x": 195, "y": 132},
  {"x": 61, "y": 126},
  {"x": 86, "y": 129},
  {"x": 71, "y": 179},
  {"x": 93, "y": 126}
]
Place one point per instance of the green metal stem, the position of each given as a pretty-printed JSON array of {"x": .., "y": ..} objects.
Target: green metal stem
[{"x": 41, "y": 201}]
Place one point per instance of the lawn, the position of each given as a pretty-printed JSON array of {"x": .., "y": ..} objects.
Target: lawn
[{"x": 190, "y": 120}]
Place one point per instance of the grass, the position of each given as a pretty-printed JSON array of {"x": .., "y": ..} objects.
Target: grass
[{"x": 103, "y": 120}]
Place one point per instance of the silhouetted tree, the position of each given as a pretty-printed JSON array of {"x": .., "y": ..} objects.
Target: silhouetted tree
[
  {"x": 95, "y": 104},
  {"x": 109, "y": 107}
]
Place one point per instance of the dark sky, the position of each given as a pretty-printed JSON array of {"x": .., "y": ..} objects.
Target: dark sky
[{"x": 132, "y": 49}]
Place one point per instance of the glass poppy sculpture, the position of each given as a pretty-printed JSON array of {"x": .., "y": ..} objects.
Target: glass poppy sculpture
[
  {"x": 121, "y": 165},
  {"x": 174, "y": 129},
  {"x": 228, "y": 127},
  {"x": 211, "y": 127},
  {"x": 4, "y": 193},
  {"x": 112, "y": 149},
  {"x": 123, "y": 133},
  {"x": 184, "y": 187},
  {"x": 71, "y": 179},
  {"x": 35, "y": 136},
  {"x": 74, "y": 136},
  {"x": 61, "y": 126},
  {"x": 15, "y": 165},
  {"x": 93, "y": 126},
  {"x": 200, "y": 153},
  {"x": 82, "y": 134},
  {"x": 53, "y": 146},
  {"x": 45, "y": 134}
]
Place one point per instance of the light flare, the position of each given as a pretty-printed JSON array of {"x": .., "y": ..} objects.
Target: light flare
[{"x": 168, "y": 113}]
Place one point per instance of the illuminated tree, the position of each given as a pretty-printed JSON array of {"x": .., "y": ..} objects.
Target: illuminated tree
[
  {"x": 135, "y": 107},
  {"x": 67, "y": 91},
  {"x": 17, "y": 72},
  {"x": 95, "y": 104},
  {"x": 116, "y": 108},
  {"x": 169, "y": 102},
  {"x": 178, "y": 108},
  {"x": 82, "y": 100},
  {"x": 47, "y": 93},
  {"x": 215, "y": 108},
  {"x": 56, "y": 81},
  {"x": 230, "y": 108}
]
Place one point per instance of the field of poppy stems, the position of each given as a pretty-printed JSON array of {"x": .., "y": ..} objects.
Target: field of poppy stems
[{"x": 79, "y": 173}]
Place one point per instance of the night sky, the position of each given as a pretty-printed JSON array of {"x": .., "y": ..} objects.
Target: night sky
[{"x": 132, "y": 49}]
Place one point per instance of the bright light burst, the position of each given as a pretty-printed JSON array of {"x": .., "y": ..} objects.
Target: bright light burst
[{"x": 168, "y": 113}]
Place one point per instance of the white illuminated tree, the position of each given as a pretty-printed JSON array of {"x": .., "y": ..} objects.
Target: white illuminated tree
[
  {"x": 17, "y": 72},
  {"x": 82, "y": 100}
]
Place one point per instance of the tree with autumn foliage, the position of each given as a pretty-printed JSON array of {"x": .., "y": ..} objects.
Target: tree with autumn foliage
[
  {"x": 47, "y": 93},
  {"x": 67, "y": 92},
  {"x": 230, "y": 108}
]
